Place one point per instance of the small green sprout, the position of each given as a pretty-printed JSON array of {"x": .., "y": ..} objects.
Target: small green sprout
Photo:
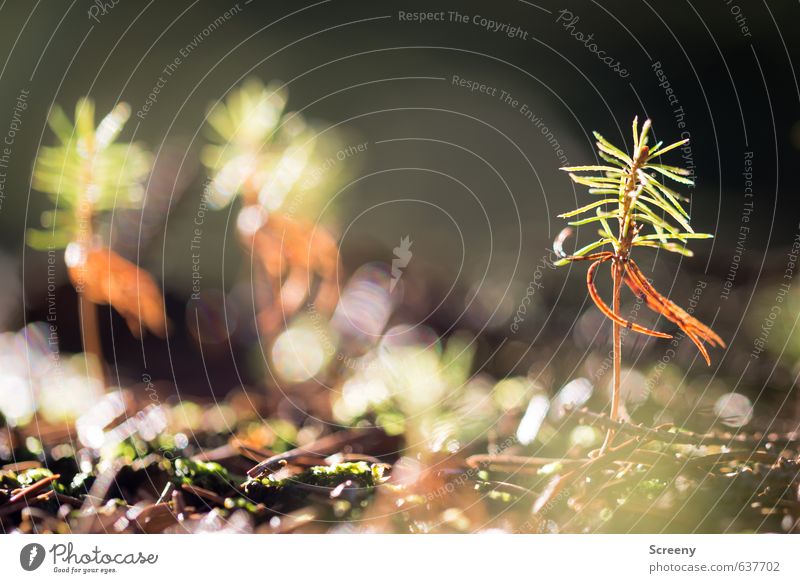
[
  {"x": 633, "y": 191},
  {"x": 86, "y": 173},
  {"x": 258, "y": 151},
  {"x": 647, "y": 213},
  {"x": 362, "y": 474}
]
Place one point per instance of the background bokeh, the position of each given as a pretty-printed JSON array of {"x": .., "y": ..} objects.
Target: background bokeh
[{"x": 471, "y": 179}]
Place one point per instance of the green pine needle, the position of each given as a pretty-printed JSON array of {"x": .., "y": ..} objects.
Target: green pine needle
[{"x": 641, "y": 198}]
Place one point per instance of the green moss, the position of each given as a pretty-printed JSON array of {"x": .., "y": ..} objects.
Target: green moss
[
  {"x": 243, "y": 503},
  {"x": 208, "y": 475},
  {"x": 135, "y": 448},
  {"x": 362, "y": 474},
  {"x": 8, "y": 480},
  {"x": 495, "y": 495},
  {"x": 650, "y": 488},
  {"x": 28, "y": 477},
  {"x": 129, "y": 449}
]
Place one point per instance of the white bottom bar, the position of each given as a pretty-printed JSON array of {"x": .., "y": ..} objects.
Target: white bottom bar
[{"x": 404, "y": 558}]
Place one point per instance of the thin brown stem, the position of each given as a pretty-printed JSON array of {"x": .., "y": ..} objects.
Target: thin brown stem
[
  {"x": 84, "y": 215},
  {"x": 90, "y": 327},
  {"x": 627, "y": 228},
  {"x": 629, "y": 178},
  {"x": 90, "y": 331},
  {"x": 616, "y": 271}
]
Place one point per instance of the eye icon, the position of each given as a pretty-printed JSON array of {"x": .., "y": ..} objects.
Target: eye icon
[{"x": 31, "y": 556}]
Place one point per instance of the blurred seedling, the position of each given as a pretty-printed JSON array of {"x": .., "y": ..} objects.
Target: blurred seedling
[
  {"x": 647, "y": 213},
  {"x": 88, "y": 175},
  {"x": 269, "y": 159}
]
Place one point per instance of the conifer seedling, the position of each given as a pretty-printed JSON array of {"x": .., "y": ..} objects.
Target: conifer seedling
[
  {"x": 646, "y": 212},
  {"x": 87, "y": 174}
]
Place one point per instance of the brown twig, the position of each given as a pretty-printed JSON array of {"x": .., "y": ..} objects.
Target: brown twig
[
  {"x": 677, "y": 437},
  {"x": 517, "y": 463},
  {"x": 32, "y": 489}
]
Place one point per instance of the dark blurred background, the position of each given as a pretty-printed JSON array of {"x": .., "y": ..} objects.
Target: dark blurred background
[{"x": 470, "y": 177}]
